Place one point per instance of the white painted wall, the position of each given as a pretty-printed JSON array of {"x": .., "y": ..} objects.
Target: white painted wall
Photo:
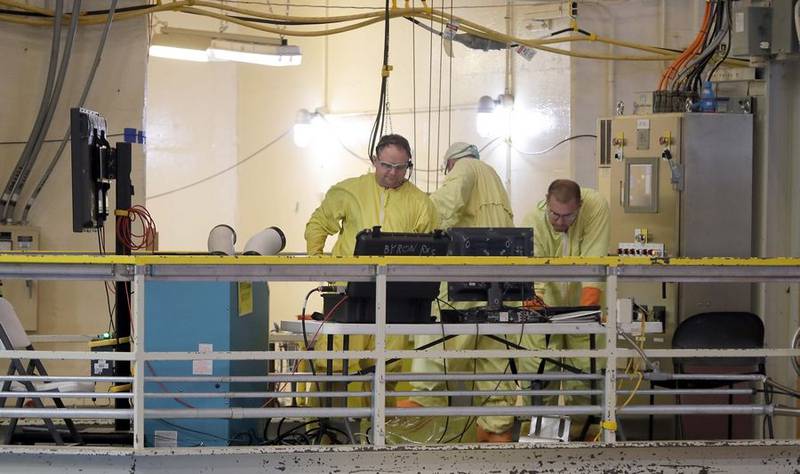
[
  {"x": 191, "y": 134},
  {"x": 192, "y": 124}
]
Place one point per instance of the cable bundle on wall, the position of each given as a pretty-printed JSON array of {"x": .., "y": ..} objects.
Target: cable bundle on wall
[
  {"x": 125, "y": 223},
  {"x": 682, "y": 80},
  {"x": 719, "y": 31},
  {"x": 84, "y": 94},
  {"x": 713, "y": 40},
  {"x": 50, "y": 96},
  {"x": 285, "y": 25}
]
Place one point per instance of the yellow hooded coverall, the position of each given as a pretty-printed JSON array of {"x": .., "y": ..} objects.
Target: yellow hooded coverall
[
  {"x": 587, "y": 236},
  {"x": 353, "y": 205},
  {"x": 472, "y": 195}
]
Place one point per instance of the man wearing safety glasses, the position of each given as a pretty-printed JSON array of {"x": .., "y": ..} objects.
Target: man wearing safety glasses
[
  {"x": 383, "y": 198},
  {"x": 570, "y": 222}
]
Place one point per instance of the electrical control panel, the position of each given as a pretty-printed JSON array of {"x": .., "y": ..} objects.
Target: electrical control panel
[{"x": 679, "y": 185}]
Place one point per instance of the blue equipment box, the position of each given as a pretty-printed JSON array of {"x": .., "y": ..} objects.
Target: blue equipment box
[{"x": 180, "y": 316}]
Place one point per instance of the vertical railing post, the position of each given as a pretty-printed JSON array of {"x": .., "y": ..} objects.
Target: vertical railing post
[
  {"x": 137, "y": 345},
  {"x": 608, "y": 424},
  {"x": 379, "y": 382}
]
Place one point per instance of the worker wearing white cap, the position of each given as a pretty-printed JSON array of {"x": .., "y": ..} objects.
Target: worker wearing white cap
[{"x": 472, "y": 195}]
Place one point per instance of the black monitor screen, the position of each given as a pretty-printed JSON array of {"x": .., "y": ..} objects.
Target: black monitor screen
[
  {"x": 407, "y": 302},
  {"x": 374, "y": 242},
  {"x": 90, "y": 160},
  {"x": 487, "y": 241}
]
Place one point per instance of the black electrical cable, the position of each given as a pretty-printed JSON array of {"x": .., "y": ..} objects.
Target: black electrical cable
[
  {"x": 303, "y": 317},
  {"x": 191, "y": 430},
  {"x": 275, "y": 22},
  {"x": 439, "y": 302},
  {"x": 772, "y": 391},
  {"x": 265, "y": 433},
  {"x": 553, "y": 147},
  {"x": 692, "y": 82},
  {"x": 784, "y": 388},
  {"x": 691, "y": 78},
  {"x": 280, "y": 424},
  {"x": 306, "y": 343},
  {"x": 686, "y": 80},
  {"x": 87, "y": 13},
  {"x": 471, "y": 420},
  {"x": 377, "y": 126},
  {"x": 102, "y": 248},
  {"x": 565, "y": 30},
  {"x": 327, "y": 430},
  {"x": 279, "y": 437},
  {"x": 323, "y": 426},
  {"x": 439, "y": 107},
  {"x": 727, "y": 47}
]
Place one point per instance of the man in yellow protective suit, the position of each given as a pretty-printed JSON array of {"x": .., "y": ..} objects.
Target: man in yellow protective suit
[
  {"x": 570, "y": 222},
  {"x": 472, "y": 195},
  {"x": 384, "y": 198}
]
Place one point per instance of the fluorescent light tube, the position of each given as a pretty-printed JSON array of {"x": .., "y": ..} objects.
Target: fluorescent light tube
[{"x": 183, "y": 54}]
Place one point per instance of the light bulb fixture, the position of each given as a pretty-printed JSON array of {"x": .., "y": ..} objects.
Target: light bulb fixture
[
  {"x": 484, "y": 118},
  {"x": 306, "y": 124},
  {"x": 494, "y": 115},
  {"x": 204, "y": 46}
]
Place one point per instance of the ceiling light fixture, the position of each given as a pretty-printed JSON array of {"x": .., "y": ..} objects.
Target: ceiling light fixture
[
  {"x": 204, "y": 46},
  {"x": 494, "y": 115},
  {"x": 306, "y": 126}
]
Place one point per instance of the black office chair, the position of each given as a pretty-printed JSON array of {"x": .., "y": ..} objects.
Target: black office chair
[{"x": 716, "y": 330}]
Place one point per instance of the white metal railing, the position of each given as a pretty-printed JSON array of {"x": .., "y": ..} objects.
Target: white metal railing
[{"x": 611, "y": 271}]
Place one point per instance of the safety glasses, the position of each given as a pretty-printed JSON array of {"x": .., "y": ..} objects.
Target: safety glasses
[
  {"x": 565, "y": 218},
  {"x": 391, "y": 166}
]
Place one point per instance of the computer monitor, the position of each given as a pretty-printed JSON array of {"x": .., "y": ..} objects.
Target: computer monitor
[
  {"x": 92, "y": 160},
  {"x": 489, "y": 241},
  {"x": 406, "y": 302}
]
